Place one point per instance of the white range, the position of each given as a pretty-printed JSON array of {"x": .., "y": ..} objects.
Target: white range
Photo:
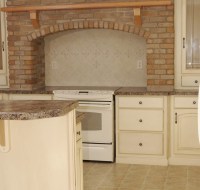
[{"x": 98, "y": 123}]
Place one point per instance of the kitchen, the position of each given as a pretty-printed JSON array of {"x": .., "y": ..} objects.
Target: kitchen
[{"x": 166, "y": 85}]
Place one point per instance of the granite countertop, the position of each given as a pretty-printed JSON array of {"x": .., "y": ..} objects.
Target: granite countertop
[
  {"x": 143, "y": 91},
  {"x": 138, "y": 91},
  {"x": 117, "y": 90},
  {"x": 35, "y": 109}
]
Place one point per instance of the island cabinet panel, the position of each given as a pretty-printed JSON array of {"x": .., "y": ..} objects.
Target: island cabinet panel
[
  {"x": 41, "y": 155},
  {"x": 185, "y": 147},
  {"x": 79, "y": 158},
  {"x": 141, "y": 129}
]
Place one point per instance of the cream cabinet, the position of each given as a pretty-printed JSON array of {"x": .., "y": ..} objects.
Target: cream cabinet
[
  {"x": 79, "y": 158},
  {"x": 185, "y": 147},
  {"x": 4, "y": 77},
  {"x": 38, "y": 154},
  {"x": 187, "y": 44},
  {"x": 141, "y": 129}
]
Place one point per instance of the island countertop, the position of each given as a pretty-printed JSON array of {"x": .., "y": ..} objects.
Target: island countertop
[{"x": 34, "y": 109}]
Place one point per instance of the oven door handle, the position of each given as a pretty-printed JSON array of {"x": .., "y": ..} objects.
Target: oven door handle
[{"x": 96, "y": 105}]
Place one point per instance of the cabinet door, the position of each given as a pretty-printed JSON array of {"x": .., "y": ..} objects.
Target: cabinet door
[
  {"x": 187, "y": 44},
  {"x": 3, "y": 48},
  {"x": 186, "y": 132},
  {"x": 191, "y": 35}
]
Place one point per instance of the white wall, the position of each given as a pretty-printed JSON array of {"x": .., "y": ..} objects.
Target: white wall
[{"x": 94, "y": 57}]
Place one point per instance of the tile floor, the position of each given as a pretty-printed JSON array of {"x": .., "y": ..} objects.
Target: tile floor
[{"x": 112, "y": 176}]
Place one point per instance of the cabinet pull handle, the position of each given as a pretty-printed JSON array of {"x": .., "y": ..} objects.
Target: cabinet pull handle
[
  {"x": 196, "y": 81},
  {"x": 194, "y": 102},
  {"x": 140, "y": 102},
  {"x": 2, "y": 46},
  {"x": 183, "y": 42},
  {"x": 140, "y": 120},
  {"x": 140, "y": 144},
  {"x": 78, "y": 133},
  {"x": 176, "y": 118}
]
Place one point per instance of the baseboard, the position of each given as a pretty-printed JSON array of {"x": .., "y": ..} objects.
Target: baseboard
[
  {"x": 142, "y": 160},
  {"x": 184, "y": 161}
]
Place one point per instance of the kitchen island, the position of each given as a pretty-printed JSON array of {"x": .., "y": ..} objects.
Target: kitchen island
[{"x": 37, "y": 145}]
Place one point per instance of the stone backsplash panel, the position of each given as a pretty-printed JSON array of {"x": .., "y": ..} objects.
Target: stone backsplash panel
[{"x": 94, "y": 57}]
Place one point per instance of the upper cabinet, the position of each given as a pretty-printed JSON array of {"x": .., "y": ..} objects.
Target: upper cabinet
[
  {"x": 187, "y": 44},
  {"x": 3, "y": 49}
]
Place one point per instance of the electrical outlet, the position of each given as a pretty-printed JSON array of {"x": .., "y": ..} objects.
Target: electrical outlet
[
  {"x": 139, "y": 64},
  {"x": 54, "y": 65}
]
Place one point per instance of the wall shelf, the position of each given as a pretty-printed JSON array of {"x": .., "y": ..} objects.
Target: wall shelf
[{"x": 34, "y": 10}]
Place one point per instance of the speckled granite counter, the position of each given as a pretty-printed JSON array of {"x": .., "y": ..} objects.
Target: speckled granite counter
[
  {"x": 137, "y": 91},
  {"x": 29, "y": 110},
  {"x": 143, "y": 91},
  {"x": 117, "y": 90}
]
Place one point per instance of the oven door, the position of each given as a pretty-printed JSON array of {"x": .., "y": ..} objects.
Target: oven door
[{"x": 97, "y": 125}]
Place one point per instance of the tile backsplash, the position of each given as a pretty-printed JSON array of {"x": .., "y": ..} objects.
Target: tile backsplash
[{"x": 93, "y": 57}]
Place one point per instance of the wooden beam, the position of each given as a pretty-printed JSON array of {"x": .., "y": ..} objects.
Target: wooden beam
[
  {"x": 35, "y": 19},
  {"x": 87, "y": 6},
  {"x": 137, "y": 17}
]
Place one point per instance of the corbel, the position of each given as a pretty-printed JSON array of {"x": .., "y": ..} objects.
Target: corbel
[
  {"x": 34, "y": 19},
  {"x": 137, "y": 17}
]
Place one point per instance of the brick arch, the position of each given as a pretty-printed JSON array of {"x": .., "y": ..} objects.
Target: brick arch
[{"x": 88, "y": 24}]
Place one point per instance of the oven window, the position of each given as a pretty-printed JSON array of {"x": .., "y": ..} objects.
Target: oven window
[{"x": 92, "y": 122}]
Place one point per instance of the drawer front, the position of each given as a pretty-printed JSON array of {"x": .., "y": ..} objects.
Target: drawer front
[
  {"x": 142, "y": 120},
  {"x": 186, "y": 102},
  {"x": 140, "y": 143},
  {"x": 30, "y": 97},
  {"x": 141, "y": 102},
  {"x": 78, "y": 131},
  {"x": 190, "y": 81}
]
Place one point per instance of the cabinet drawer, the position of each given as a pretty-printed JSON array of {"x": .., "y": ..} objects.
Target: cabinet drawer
[
  {"x": 140, "y": 143},
  {"x": 78, "y": 131},
  {"x": 141, "y": 102},
  {"x": 190, "y": 81},
  {"x": 147, "y": 120},
  {"x": 30, "y": 97},
  {"x": 186, "y": 102}
]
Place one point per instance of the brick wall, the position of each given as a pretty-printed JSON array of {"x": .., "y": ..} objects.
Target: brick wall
[{"x": 25, "y": 44}]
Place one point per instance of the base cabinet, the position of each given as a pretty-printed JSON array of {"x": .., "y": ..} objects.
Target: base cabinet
[
  {"x": 141, "y": 129},
  {"x": 38, "y": 154},
  {"x": 185, "y": 147}
]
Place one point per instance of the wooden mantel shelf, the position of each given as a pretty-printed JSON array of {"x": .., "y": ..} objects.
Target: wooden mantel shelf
[{"x": 33, "y": 10}]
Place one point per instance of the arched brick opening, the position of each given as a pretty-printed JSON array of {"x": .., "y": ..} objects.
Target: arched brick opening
[
  {"x": 93, "y": 24},
  {"x": 37, "y": 38}
]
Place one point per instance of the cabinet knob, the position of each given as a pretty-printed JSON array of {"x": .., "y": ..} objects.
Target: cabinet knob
[
  {"x": 140, "y": 144},
  {"x": 196, "y": 81},
  {"x": 140, "y": 120},
  {"x": 194, "y": 102},
  {"x": 78, "y": 133},
  {"x": 140, "y": 102}
]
